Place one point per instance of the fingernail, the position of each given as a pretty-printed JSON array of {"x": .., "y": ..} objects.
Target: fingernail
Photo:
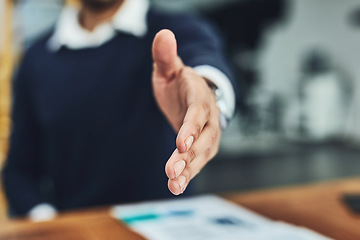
[
  {"x": 183, "y": 190},
  {"x": 181, "y": 181},
  {"x": 179, "y": 167},
  {"x": 188, "y": 142}
]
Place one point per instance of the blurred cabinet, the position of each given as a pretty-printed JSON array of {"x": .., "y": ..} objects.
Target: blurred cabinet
[
  {"x": 72, "y": 2},
  {"x": 6, "y": 67}
]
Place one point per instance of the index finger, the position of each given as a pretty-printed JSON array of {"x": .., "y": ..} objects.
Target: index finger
[{"x": 195, "y": 119}]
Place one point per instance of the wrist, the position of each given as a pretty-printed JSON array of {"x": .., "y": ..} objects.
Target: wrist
[
  {"x": 223, "y": 90},
  {"x": 219, "y": 95}
]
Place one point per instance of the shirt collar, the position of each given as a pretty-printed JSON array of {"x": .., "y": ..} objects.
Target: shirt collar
[{"x": 130, "y": 18}]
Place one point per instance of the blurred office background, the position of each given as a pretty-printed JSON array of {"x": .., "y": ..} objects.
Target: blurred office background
[{"x": 296, "y": 62}]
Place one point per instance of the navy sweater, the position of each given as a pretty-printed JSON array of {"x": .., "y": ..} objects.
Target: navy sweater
[{"x": 86, "y": 128}]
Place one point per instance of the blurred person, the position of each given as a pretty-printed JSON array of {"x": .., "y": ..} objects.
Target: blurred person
[{"x": 96, "y": 113}]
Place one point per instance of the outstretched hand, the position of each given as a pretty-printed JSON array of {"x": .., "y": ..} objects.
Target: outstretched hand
[{"x": 190, "y": 106}]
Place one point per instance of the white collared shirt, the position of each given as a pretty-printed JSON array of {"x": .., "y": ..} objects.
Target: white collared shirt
[{"x": 130, "y": 18}]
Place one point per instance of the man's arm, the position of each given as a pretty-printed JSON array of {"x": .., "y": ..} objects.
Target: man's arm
[
  {"x": 190, "y": 106},
  {"x": 22, "y": 168},
  {"x": 201, "y": 47}
]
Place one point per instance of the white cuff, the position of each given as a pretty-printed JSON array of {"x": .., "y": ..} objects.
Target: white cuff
[
  {"x": 226, "y": 103},
  {"x": 42, "y": 212}
]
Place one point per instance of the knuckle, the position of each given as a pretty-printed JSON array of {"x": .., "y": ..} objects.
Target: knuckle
[
  {"x": 187, "y": 71},
  {"x": 194, "y": 127},
  {"x": 191, "y": 154},
  {"x": 197, "y": 128},
  {"x": 214, "y": 133},
  {"x": 208, "y": 153},
  {"x": 206, "y": 108},
  {"x": 188, "y": 173}
]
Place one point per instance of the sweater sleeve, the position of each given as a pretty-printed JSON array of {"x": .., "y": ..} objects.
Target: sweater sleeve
[
  {"x": 199, "y": 45},
  {"x": 22, "y": 169}
]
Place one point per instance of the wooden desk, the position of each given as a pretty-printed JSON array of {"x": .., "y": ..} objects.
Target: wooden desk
[{"x": 316, "y": 206}]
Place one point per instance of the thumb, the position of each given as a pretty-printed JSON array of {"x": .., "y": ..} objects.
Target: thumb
[{"x": 166, "y": 61}]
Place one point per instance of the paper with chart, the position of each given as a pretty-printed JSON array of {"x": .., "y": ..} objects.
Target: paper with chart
[{"x": 205, "y": 217}]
